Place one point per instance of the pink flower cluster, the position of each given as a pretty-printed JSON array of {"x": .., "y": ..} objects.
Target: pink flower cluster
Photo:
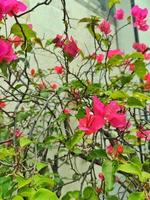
[
  {"x": 113, "y": 113},
  {"x": 69, "y": 46},
  {"x": 11, "y": 7},
  {"x": 114, "y": 52},
  {"x": 141, "y": 47},
  {"x": 140, "y": 16},
  {"x": 143, "y": 134},
  {"x": 104, "y": 27},
  {"x": 119, "y": 14},
  {"x": 6, "y": 51}
]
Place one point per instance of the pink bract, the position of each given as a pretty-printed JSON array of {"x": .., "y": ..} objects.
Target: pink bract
[
  {"x": 119, "y": 15},
  {"x": 104, "y": 27}
]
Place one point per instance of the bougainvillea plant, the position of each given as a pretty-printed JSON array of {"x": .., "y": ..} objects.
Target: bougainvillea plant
[{"x": 90, "y": 108}]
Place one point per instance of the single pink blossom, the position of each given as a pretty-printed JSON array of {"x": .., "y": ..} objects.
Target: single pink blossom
[
  {"x": 6, "y": 51},
  {"x": 141, "y": 47},
  {"x": 70, "y": 47},
  {"x": 114, "y": 52},
  {"x": 2, "y": 104},
  {"x": 132, "y": 67},
  {"x": 18, "y": 133},
  {"x": 91, "y": 122},
  {"x": 54, "y": 86},
  {"x": 67, "y": 111},
  {"x": 119, "y": 14},
  {"x": 147, "y": 77},
  {"x": 143, "y": 134},
  {"x": 58, "y": 41},
  {"x": 104, "y": 27},
  {"x": 98, "y": 107},
  {"x": 99, "y": 57},
  {"x": 147, "y": 56},
  {"x": 59, "y": 69}
]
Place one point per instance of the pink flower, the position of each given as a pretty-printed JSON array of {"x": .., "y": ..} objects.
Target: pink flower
[
  {"x": 114, "y": 52},
  {"x": 18, "y": 133},
  {"x": 42, "y": 85},
  {"x": 132, "y": 67},
  {"x": 147, "y": 56},
  {"x": 6, "y": 51},
  {"x": 98, "y": 107},
  {"x": 33, "y": 72},
  {"x": 2, "y": 104},
  {"x": 147, "y": 77},
  {"x": 67, "y": 111},
  {"x": 58, "y": 41},
  {"x": 104, "y": 27},
  {"x": 17, "y": 41},
  {"x": 140, "y": 17},
  {"x": 58, "y": 69},
  {"x": 119, "y": 15},
  {"x": 91, "y": 122},
  {"x": 54, "y": 86},
  {"x": 139, "y": 13},
  {"x": 99, "y": 57},
  {"x": 141, "y": 47},
  {"x": 109, "y": 149},
  {"x": 12, "y": 7},
  {"x": 115, "y": 115},
  {"x": 70, "y": 47},
  {"x": 101, "y": 176},
  {"x": 143, "y": 134}
]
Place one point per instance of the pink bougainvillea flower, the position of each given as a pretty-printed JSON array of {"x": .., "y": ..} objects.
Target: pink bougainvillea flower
[
  {"x": 18, "y": 133},
  {"x": 132, "y": 67},
  {"x": 147, "y": 56},
  {"x": 59, "y": 69},
  {"x": 2, "y": 104},
  {"x": 17, "y": 41},
  {"x": 6, "y": 51},
  {"x": 114, "y": 52},
  {"x": 91, "y": 122},
  {"x": 140, "y": 16},
  {"x": 104, "y": 27},
  {"x": 67, "y": 111},
  {"x": 99, "y": 57},
  {"x": 13, "y": 7},
  {"x": 147, "y": 77},
  {"x": 98, "y": 107},
  {"x": 33, "y": 72},
  {"x": 58, "y": 41},
  {"x": 70, "y": 47},
  {"x": 101, "y": 176},
  {"x": 42, "y": 85},
  {"x": 109, "y": 149},
  {"x": 119, "y": 14},
  {"x": 143, "y": 134},
  {"x": 141, "y": 47},
  {"x": 115, "y": 115},
  {"x": 54, "y": 86}
]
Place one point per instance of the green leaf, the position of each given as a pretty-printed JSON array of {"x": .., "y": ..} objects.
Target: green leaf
[
  {"x": 4, "y": 153},
  {"x": 89, "y": 194},
  {"x": 18, "y": 197},
  {"x": 111, "y": 3},
  {"x": 5, "y": 184},
  {"x": 24, "y": 141},
  {"x": 85, "y": 19},
  {"x": 134, "y": 102},
  {"x": 112, "y": 198},
  {"x": 97, "y": 154},
  {"x": 130, "y": 168},
  {"x": 40, "y": 165},
  {"x": 75, "y": 139},
  {"x": 140, "y": 68},
  {"x": 22, "y": 182},
  {"x": 118, "y": 95},
  {"x": 144, "y": 176},
  {"x": 41, "y": 180},
  {"x": 137, "y": 196},
  {"x": 45, "y": 195},
  {"x": 28, "y": 32},
  {"x": 71, "y": 195},
  {"x": 109, "y": 169},
  {"x": 4, "y": 67}
]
